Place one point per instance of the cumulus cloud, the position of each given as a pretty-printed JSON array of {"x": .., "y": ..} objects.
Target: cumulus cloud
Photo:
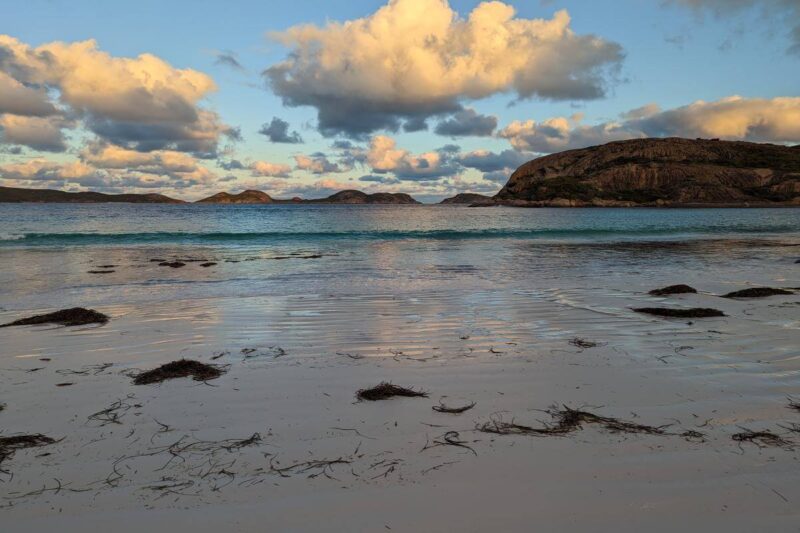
[
  {"x": 316, "y": 164},
  {"x": 785, "y": 12},
  {"x": 562, "y": 133},
  {"x": 44, "y": 170},
  {"x": 277, "y": 131},
  {"x": 414, "y": 59},
  {"x": 487, "y": 161},
  {"x": 774, "y": 120},
  {"x": 467, "y": 122},
  {"x": 265, "y": 169},
  {"x": 19, "y": 99},
  {"x": 142, "y": 103},
  {"x": 383, "y": 156},
  {"x": 40, "y": 133}
]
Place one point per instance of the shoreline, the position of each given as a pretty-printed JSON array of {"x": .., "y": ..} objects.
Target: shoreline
[{"x": 293, "y": 365}]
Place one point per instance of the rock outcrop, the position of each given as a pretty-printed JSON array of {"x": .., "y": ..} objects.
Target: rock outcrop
[{"x": 659, "y": 172}]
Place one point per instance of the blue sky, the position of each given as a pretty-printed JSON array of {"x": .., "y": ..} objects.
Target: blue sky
[{"x": 674, "y": 54}]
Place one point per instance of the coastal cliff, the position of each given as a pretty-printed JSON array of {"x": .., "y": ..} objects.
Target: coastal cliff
[{"x": 659, "y": 172}]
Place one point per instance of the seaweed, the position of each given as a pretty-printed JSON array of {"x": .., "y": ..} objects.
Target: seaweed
[
  {"x": 442, "y": 408},
  {"x": 9, "y": 445},
  {"x": 697, "y": 312},
  {"x": 758, "y": 292},
  {"x": 179, "y": 369},
  {"x": 386, "y": 390},
  {"x": 77, "y": 316},
  {"x": 673, "y": 289},
  {"x": 566, "y": 421}
]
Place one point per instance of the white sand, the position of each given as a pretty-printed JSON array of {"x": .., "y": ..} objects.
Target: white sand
[{"x": 714, "y": 376}]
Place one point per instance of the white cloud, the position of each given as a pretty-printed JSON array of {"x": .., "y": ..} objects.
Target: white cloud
[
  {"x": 414, "y": 59},
  {"x": 316, "y": 164},
  {"x": 384, "y": 156},
  {"x": 265, "y": 169},
  {"x": 774, "y": 120},
  {"x": 140, "y": 102},
  {"x": 39, "y": 133}
]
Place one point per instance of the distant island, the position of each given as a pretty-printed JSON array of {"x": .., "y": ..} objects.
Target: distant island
[
  {"x": 659, "y": 172},
  {"x": 342, "y": 197},
  {"x": 466, "y": 198},
  {"x": 670, "y": 172},
  {"x": 15, "y": 195}
]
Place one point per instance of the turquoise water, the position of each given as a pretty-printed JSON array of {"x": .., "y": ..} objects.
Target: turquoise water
[
  {"x": 50, "y": 253},
  {"x": 54, "y": 225}
]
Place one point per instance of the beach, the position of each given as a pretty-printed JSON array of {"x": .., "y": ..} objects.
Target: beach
[{"x": 528, "y": 314}]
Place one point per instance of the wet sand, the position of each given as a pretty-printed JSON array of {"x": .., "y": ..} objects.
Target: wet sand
[{"x": 280, "y": 441}]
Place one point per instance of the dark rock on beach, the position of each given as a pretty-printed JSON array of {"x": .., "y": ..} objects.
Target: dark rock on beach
[
  {"x": 674, "y": 289},
  {"x": 758, "y": 292},
  {"x": 697, "y": 312},
  {"x": 209, "y": 264},
  {"x": 172, "y": 264},
  {"x": 76, "y": 316}
]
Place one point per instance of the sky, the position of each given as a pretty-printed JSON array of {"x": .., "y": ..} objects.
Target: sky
[{"x": 426, "y": 97}]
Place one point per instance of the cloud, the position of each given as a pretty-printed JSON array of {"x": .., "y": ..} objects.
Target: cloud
[
  {"x": 561, "y": 133},
  {"x": 774, "y": 120},
  {"x": 387, "y": 180},
  {"x": 161, "y": 162},
  {"x": 44, "y": 170},
  {"x": 383, "y": 156},
  {"x": 499, "y": 176},
  {"x": 19, "y": 99},
  {"x": 487, "y": 161},
  {"x": 467, "y": 122},
  {"x": 142, "y": 103},
  {"x": 785, "y": 12},
  {"x": 277, "y": 131},
  {"x": 40, "y": 133},
  {"x": 316, "y": 164},
  {"x": 228, "y": 59},
  {"x": 265, "y": 169},
  {"x": 413, "y": 59}
]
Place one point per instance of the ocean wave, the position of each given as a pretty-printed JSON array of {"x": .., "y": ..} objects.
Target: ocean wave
[{"x": 222, "y": 238}]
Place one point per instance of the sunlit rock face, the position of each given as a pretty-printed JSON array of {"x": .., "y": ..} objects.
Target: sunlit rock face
[{"x": 657, "y": 172}]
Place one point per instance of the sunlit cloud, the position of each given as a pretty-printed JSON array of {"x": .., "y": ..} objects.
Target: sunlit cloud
[
  {"x": 774, "y": 120},
  {"x": 142, "y": 103},
  {"x": 413, "y": 59}
]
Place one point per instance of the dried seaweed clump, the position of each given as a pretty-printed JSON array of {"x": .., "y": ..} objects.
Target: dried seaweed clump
[
  {"x": 762, "y": 439},
  {"x": 674, "y": 289},
  {"x": 386, "y": 390},
  {"x": 179, "y": 369},
  {"x": 9, "y": 445},
  {"x": 758, "y": 292},
  {"x": 442, "y": 408},
  {"x": 697, "y": 312},
  {"x": 77, "y": 316},
  {"x": 566, "y": 421}
]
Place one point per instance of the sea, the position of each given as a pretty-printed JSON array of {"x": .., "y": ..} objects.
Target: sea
[{"x": 52, "y": 255}]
